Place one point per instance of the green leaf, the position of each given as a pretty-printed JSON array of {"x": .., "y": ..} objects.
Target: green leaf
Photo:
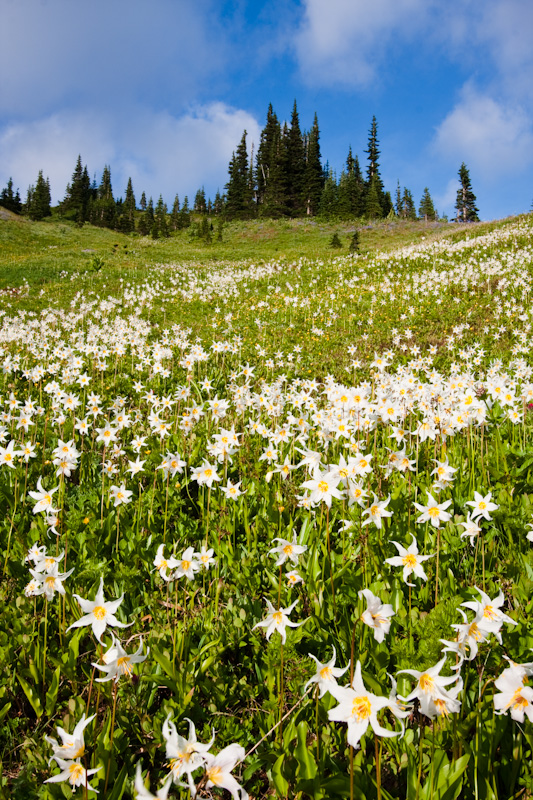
[
  {"x": 51, "y": 695},
  {"x": 304, "y": 757},
  {"x": 281, "y": 784},
  {"x": 32, "y": 696}
]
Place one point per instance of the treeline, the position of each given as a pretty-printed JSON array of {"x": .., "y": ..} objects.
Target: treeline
[{"x": 284, "y": 178}]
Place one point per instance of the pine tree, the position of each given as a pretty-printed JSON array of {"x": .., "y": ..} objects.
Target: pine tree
[
  {"x": 239, "y": 191},
  {"x": 174, "y": 214},
  {"x": 146, "y": 222},
  {"x": 160, "y": 218},
  {"x": 398, "y": 201},
  {"x": 275, "y": 197},
  {"x": 77, "y": 198},
  {"x": 200, "y": 205},
  {"x": 329, "y": 200},
  {"x": 129, "y": 207},
  {"x": 142, "y": 204},
  {"x": 9, "y": 200},
  {"x": 218, "y": 204},
  {"x": 103, "y": 210},
  {"x": 38, "y": 199},
  {"x": 268, "y": 143},
  {"x": 295, "y": 166},
  {"x": 426, "y": 209},
  {"x": 373, "y": 207},
  {"x": 373, "y": 182},
  {"x": 313, "y": 175},
  {"x": 466, "y": 199},
  {"x": 408, "y": 205}
]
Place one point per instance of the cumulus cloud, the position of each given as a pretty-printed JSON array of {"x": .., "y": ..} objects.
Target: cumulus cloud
[
  {"x": 163, "y": 154},
  {"x": 494, "y": 136},
  {"x": 71, "y": 52},
  {"x": 343, "y": 41}
]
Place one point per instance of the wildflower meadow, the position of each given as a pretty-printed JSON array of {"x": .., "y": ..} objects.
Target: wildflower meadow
[{"x": 266, "y": 525}]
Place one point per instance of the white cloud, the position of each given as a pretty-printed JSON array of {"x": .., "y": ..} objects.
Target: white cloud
[
  {"x": 495, "y": 137},
  {"x": 344, "y": 41},
  {"x": 58, "y": 53},
  {"x": 162, "y": 154}
]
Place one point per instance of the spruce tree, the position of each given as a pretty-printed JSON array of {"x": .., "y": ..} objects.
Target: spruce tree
[
  {"x": 373, "y": 207},
  {"x": 270, "y": 136},
  {"x": 10, "y": 200},
  {"x": 129, "y": 208},
  {"x": 426, "y": 209},
  {"x": 313, "y": 175},
  {"x": 160, "y": 218},
  {"x": 329, "y": 200},
  {"x": 466, "y": 199},
  {"x": 142, "y": 204},
  {"x": 77, "y": 198},
  {"x": 295, "y": 166},
  {"x": 408, "y": 205},
  {"x": 200, "y": 206},
  {"x": 239, "y": 191},
  {"x": 373, "y": 182},
  {"x": 103, "y": 210},
  {"x": 38, "y": 199},
  {"x": 174, "y": 214}
]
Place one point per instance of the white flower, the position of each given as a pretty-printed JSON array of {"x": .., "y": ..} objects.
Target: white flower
[
  {"x": 482, "y": 506},
  {"x": 278, "y": 620},
  {"x": 287, "y": 549},
  {"x": 377, "y": 614},
  {"x": 218, "y": 770},
  {"x": 325, "y": 674},
  {"x": 410, "y": 560}
]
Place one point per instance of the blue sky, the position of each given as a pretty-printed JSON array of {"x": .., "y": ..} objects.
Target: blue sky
[{"x": 162, "y": 91}]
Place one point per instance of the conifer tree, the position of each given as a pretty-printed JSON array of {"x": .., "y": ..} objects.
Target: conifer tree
[
  {"x": 38, "y": 199},
  {"x": 374, "y": 183},
  {"x": 329, "y": 200},
  {"x": 146, "y": 222},
  {"x": 200, "y": 206},
  {"x": 426, "y": 209},
  {"x": 295, "y": 166},
  {"x": 275, "y": 197},
  {"x": 268, "y": 143},
  {"x": 313, "y": 175},
  {"x": 465, "y": 203},
  {"x": 160, "y": 218},
  {"x": 129, "y": 208},
  {"x": 103, "y": 210},
  {"x": 239, "y": 191},
  {"x": 408, "y": 205},
  {"x": 373, "y": 207},
  {"x": 10, "y": 200},
  {"x": 142, "y": 204},
  {"x": 174, "y": 214},
  {"x": 77, "y": 198},
  {"x": 218, "y": 204}
]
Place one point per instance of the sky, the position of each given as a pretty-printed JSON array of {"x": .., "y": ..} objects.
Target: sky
[{"x": 162, "y": 91}]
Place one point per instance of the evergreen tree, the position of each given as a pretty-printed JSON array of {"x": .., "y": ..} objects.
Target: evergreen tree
[
  {"x": 329, "y": 200},
  {"x": 130, "y": 206},
  {"x": 160, "y": 218},
  {"x": 408, "y": 205},
  {"x": 275, "y": 197},
  {"x": 373, "y": 207},
  {"x": 374, "y": 183},
  {"x": 218, "y": 204},
  {"x": 313, "y": 174},
  {"x": 426, "y": 209},
  {"x": 142, "y": 204},
  {"x": 9, "y": 200},
  {"x": 398, "y": 201},
  {"x": 239, "y": 191},
  {"x": 185, "y": 214},
  {"x": 295, "y": 166},
  {"x": 174, "y": 214},
  {"x": 466, "y": 199},
  {"x": 146, "y": 222},
  {"x": 200, "y": 205},
  {"x": 103, "y": 210},
  {"x": 77, "y": 198},
  {"x": 38, "y": 199},
  {"x": 268, "y": 144}
]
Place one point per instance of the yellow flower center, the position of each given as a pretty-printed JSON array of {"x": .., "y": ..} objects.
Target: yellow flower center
[
  {"x": 441, "y": 706},
  {"x": 325, "y": 673},
  {"x": 433, "y": 512},
  {"x": 361, "y": 708},
  {"x": 76, "y": 773},
  {"x": 426, "y": 683},
  {"x": 124, "y": 663},
  {"x": 215, "y": 775},
  {"x": 99, "y": 612},
  {"x": 323, "y": 486},
  {"x": 409, "y": 560},
  {"x": 288, "y": 549},
  {"x": 277, "y": 616},
  {"x": 208, "y": 473},
  {"x": 185, "y": 565},
  {"x": 489, "y": 612}
]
